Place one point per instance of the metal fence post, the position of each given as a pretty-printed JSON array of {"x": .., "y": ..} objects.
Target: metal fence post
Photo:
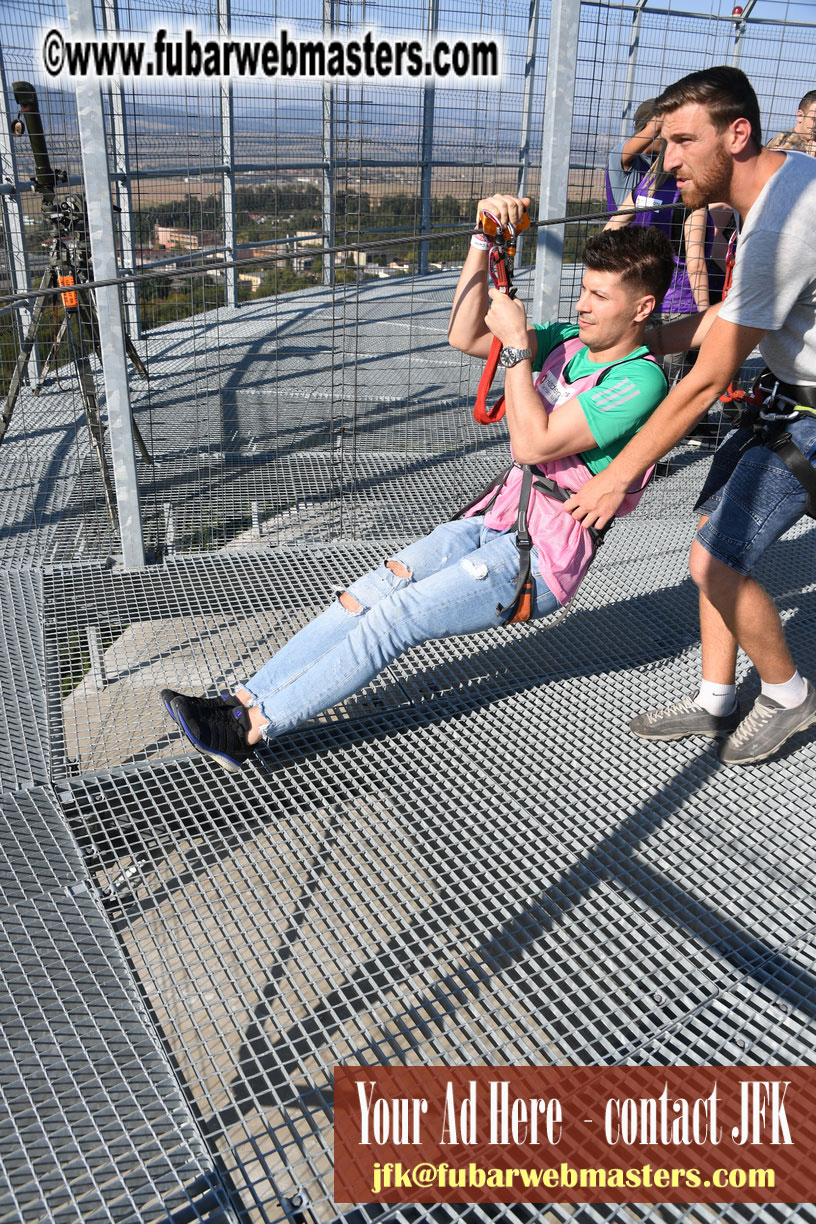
[
  {"x": 426, "y": 161},
  {"x": 740, "y": 26},
  {"x": 121, "y": 166},
  {"x": 228, "y": 161},
  {"x": 96, "y": 173},
  {"x": 13, "y": 222},
  {"x": 631, "y": 65},
  {"x": 327, "y": 153},
  {"x": 527, "y": 112},
  {"x": 559, "y": 96}
]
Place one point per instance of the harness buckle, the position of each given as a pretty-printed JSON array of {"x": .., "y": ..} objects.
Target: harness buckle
[
  {"x": 766, "y": 410},
  {"x": 772, "y": 396}
]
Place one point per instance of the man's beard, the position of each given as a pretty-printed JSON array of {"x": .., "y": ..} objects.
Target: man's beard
[{"x": 714, "y": 183}]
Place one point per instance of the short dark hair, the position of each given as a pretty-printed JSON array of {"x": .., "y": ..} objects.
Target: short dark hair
[
  {"x": 809, "y": 97},
  {"x": 725, "y": 92},
  {"x": 641, "y": 254},
  {"x": 644, "y": 113}
]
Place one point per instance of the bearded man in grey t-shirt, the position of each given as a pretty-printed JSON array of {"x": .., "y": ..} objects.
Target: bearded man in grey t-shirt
[{"x": 758, "y": 485}]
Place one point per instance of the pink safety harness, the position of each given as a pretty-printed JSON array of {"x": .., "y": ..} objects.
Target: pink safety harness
[{"x": 553, "y": 479}]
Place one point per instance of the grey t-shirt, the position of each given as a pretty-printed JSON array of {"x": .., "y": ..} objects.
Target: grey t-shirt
[
  {"x": 623, "y": 181},
  {"x": 774, "y": 284}
]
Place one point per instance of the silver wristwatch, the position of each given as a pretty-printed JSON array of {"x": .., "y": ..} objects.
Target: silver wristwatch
[{"x": 512, "y": 356}]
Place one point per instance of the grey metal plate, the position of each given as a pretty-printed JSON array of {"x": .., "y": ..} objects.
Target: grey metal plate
[
  {"x": 96, "y": 1128},
  {"x": 483, "y": 866},
  {"x": 38, "y": 853},
  {"x": 23, "y": 723},
  {"x": 342, "y": 903}
]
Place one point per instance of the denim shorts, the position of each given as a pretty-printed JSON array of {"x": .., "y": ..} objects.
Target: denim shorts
[{"x": 751, "y": 496}]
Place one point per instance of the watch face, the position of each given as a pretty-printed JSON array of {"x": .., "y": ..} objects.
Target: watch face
[{"x": 512, "y": 356}]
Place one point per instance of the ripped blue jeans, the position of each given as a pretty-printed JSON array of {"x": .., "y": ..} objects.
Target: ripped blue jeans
[{"x": 458, "y": 575}]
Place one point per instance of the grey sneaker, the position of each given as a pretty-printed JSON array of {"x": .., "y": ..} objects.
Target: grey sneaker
[
  {"x": 766, "y": 727},
  {"x": 684, "y": 718}
]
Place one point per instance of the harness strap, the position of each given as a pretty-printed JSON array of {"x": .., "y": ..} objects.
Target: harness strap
[
  {"x": 799, "y": 466},
  {"x": 769, "y": 429},
  {"x": 546, "y": 485},
  {"x": 796, "y": 397},
  {"x": 521, "y": 605},
  {"x": 495, "y": 487}
]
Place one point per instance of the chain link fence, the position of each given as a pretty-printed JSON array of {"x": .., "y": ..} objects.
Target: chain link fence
[{"x": 277, "y": 247}]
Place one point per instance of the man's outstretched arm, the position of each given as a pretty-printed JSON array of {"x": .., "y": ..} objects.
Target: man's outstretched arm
[
  {"x": 682, "y": 334},
  {"x": 724, "y": 349}
]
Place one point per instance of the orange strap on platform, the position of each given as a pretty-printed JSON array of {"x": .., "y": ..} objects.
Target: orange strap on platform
[{"x": 70, "y": 299}]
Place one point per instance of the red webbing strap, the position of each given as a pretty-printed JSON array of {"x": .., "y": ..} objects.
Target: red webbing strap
[
  {"x": 483, "y": 414},
  {"x": 732, "y": 394}
]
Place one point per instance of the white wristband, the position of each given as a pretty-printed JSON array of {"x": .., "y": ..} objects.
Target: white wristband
[{"x": 481, "y": 241}]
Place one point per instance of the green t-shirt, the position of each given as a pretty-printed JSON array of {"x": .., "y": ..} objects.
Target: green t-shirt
[{"x": 619, "y": 405}]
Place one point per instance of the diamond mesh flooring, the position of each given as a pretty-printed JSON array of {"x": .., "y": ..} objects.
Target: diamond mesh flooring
[
  {"x": 95, "y": 1127},
  {"x": 23, "y": 723},
  {"x": 357, "y": 896},
  {"x": 470, "y": 861}
]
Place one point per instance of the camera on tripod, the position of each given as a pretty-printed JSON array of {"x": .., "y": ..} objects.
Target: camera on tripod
[
  {"x": 69, "y": 270},
  {"x": 68, "y": 212},
  {"x": 28, "y": 119}
]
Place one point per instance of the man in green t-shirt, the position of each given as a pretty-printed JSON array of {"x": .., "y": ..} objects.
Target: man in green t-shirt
[
  {"x": 595, "y": 385},
  {"x": 615, "y": 410}
]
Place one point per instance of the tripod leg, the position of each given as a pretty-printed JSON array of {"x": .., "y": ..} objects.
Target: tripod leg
[
  {"x": 51, "y": 359},
  {"x": 91, "y": 319},
  {"x": 139, "y": 365},
  {"x": 130, "y": 348},
  {"x": 24, "y": 356},
  {"x": 89, "y": 399},
  {"x": 139, "y": 440}
]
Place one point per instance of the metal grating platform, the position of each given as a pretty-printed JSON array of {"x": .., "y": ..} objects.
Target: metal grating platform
[
  {"x": 95, "y": 1128},
  {"x": 392, "y": 882},
  {"x": 23, "y": 722}
]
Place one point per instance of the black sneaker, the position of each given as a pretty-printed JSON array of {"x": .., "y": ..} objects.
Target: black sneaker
[
  {"x": 168, "y": 696},
  {"x": 219, "y": 731}
]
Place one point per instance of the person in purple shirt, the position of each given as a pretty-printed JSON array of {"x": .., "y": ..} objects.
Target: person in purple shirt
[{"x": 629, "y": 160}]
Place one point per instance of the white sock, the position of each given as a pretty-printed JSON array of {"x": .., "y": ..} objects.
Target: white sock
[
  {"x": 718, "y": 699},
  {"x": 791, "y": 693}
]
